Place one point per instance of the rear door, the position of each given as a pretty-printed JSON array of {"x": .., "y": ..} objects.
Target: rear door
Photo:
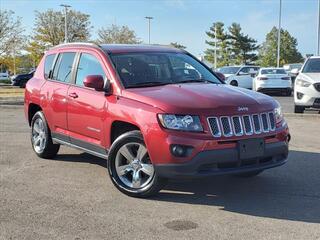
[
  {"x": 86, "y": 106},
  {"x": 55, "y": 91}
]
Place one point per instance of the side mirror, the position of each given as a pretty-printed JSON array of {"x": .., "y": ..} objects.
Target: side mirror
[
  {"x": 295, "y": 71},
  {"x": 94, "y": 81},
  {"x": 242, "y": 73}
]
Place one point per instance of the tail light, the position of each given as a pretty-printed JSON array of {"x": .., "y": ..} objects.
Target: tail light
[
  {"x": 262, "y": 78},
  {"x": 285, "y": 78}
]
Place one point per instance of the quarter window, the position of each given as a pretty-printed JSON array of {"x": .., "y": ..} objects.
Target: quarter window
[
  {"x": 63, "y": 68},
  {"x": 88, "y": 65},
  {"x": 48, "y": 64}
]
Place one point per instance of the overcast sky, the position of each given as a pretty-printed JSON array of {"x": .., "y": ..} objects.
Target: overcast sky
[{"x": 185, "y": 21}]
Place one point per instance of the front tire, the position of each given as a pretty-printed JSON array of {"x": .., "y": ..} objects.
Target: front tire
[
  {"x": 130, "y": 167},
  {"x": 234, "y": 83},
  {"x": 298, "y": 109},
  {"x": 41, "y": 137}
]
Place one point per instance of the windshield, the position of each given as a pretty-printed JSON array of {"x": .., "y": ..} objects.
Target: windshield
[
  {"x": 312, "y": 66},
  {"x": 229, "y": 70},
  {"x": 273, "y": 71},
  {"x": 159, "y": 68}
]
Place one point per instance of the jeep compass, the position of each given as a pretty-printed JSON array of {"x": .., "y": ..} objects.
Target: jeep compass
[{"x": 153, "y": 113}]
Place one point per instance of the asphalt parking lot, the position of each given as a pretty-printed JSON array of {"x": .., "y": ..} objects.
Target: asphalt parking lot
[{"x": 71, "y": 197}]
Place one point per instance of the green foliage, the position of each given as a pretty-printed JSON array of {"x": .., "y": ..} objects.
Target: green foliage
[
  {"x": 177, "y": 45},
  {"x": 243, "y": 47},
  {"x": 233, "y": 46},
  {"x": 288, "y": 51},
  {"x": 117, "y": 34},
  {"x": 223, "y": 45}
]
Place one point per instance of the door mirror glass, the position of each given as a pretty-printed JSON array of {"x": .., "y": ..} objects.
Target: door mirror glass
[{"x": 94, "y": 81}]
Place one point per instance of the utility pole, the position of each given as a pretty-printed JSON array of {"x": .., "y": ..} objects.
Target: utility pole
[
  {"x": 215, "y": 47},
  {"x": 279, "y": 35},
  {"x": 65, "y": 21},
  {"x": 318, "y": 45},
  {"x": 149, "y": 25}
]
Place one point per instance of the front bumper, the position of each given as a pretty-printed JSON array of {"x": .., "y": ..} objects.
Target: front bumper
[
  {"x": 225, "y": 161},
  {"x": 310, "y": 96}
]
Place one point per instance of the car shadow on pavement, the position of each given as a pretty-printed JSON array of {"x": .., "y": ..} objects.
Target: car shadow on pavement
[
  {"x": 83, "y": 158},
  {"x": 290, "y": 192}
]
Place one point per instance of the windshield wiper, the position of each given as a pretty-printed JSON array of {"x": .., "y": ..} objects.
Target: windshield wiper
[
  {"x": 148, "y": 84},
  {"x": 195, "y": 80}
]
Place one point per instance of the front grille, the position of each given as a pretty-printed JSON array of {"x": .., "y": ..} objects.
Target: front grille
[
  {"x": 317, "y": 86},
  {"x": 316, "y": 103},
  {"x": 242, "y": 125}
]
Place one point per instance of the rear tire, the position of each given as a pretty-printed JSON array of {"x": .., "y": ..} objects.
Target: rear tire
[
  {"x": 41, "y": 137},
  {"x": 298, "y": 109},
  {"x": 249, "y": 174},
  {"x": 130, "y": 167}
]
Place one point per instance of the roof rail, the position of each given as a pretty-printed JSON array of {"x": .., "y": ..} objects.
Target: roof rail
[{"x": 75, "y": 44}]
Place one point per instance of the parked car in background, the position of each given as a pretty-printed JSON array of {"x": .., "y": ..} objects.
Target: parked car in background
[
  {"x": 293, "y": 70},
  {"x": 272, "y": 80},
  {"x": 154, "y": 113},
  {"x": 4, "y": 76},
  {"x": 21, "y": 79},
  {"x": 240, "y": 76},
  {"x": 307, "y": 86}
]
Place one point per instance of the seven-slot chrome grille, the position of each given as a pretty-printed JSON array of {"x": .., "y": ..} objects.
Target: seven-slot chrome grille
[{"x": 240, "y": 125}]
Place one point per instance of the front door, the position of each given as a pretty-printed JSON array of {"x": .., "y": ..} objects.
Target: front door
[{"x": 86, "y": 106}]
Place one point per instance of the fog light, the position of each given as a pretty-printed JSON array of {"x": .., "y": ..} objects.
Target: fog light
[
  {"x": 180, "y": 150},
  {"x": 299, "y": 95}
]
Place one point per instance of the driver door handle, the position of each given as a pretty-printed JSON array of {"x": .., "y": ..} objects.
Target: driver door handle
[{"x": 73, "y": 95}]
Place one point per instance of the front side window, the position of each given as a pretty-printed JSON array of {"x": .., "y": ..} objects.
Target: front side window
[
  {"x": 159, "y": 68},
  {"x": 48, "y": 65},
  {"x": 312, "y": 66},
  {"x": 88, "y": 65},
  {"x": 63, "y": 68}
]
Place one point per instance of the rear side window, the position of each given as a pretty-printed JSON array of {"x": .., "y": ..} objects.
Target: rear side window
[
  {"x": 63, "y": 68},
  {"x": 88, "y": 65},
  {"x": 48, "y": 64}
]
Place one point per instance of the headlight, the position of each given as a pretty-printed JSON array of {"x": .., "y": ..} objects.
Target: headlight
[
  {"x": 181, "y": 122},
  {"x": 302, "y": 83},
  {"x": 278, "y": 114}
]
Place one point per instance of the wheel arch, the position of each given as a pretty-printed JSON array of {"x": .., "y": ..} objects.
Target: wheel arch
[
  {"x": 119, "y": 127},
  {"x": 32, "y": 109}
]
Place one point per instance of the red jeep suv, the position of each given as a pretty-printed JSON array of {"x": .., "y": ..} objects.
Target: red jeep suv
[{"x": 153, "y": 113}]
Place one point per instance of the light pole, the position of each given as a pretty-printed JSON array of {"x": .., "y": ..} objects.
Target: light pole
[
  {"x": 215, "y": 47},
  {"x": 65, "y": 21},
  {"x": 279, "y": 35},
  {"x": 149, "y": 25},
  {"x": 318, "y": 45}
]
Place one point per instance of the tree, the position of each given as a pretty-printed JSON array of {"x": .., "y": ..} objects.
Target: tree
[
  {"x": 11, "y": 39},
  {"x": 117, "y": 34},
  {"x": 288, "y": 51},
  {"x": 177, "y": 45},
  {"x": 243, "y": 47},
  {"x": 223, "y": 45},
  {"x": 49, "y": 27}
]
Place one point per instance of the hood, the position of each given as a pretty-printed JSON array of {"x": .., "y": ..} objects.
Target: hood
[
  {"x": 311, "y": 77},
  {"x": 228, "y": 75},
  {"x": 202, "y": 98}
]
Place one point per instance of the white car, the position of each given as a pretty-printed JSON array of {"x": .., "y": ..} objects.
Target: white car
[
  {"x": 240, "y": 76},
  {"x": 272, "y": 80},
  {"x": 4, "y": 76},
  {"x": 307, "y": 86}
]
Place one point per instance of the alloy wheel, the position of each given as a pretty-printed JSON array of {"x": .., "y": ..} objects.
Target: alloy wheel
[{"x": 38, "y": 135}]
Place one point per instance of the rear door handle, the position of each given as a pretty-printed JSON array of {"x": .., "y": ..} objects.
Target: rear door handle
[{"x": 73, "y": 95}]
